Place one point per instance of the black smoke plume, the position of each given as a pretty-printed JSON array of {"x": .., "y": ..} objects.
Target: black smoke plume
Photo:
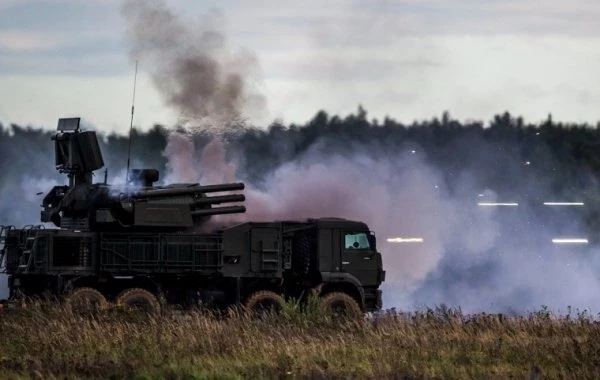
[{"x": 207, "y": 83}]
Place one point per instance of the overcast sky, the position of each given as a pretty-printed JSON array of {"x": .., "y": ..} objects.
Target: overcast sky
[{"x": 408, "y": 59}]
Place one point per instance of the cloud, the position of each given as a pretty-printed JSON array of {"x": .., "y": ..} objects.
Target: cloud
[
  {"x": 102, "y": 101},
  {"x": 49, "y": 36},
  {"x": 363, "y": 23},
  {"x": 24, "y": 41},
  {"x": 88, "y": 65},
  {"x": 408, "y": 59}
]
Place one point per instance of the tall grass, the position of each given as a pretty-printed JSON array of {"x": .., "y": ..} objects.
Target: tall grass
[{"x": 47, "y": 341}]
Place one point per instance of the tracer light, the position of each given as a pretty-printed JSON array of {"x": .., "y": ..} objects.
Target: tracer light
[
  {"x": 563, "y": 203},
  {"x": 492, "y": 204},
  {"x": 570, "y": 241},
  {"x": 405, "y": 240}
]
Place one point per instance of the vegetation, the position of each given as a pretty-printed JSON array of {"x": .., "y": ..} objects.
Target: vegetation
[
  {"x": 544, "y": 159},
  {"x": 55, "y": 342},
  {"x": 507, "y": 155}
]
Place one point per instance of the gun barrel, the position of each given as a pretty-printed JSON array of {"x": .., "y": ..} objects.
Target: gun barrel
[
  {"x": 219, "y": 211},
  {"x": 222, "y": 187},
  {"x": 189, "y": 190},
  {"x": 220, "y": 199}
]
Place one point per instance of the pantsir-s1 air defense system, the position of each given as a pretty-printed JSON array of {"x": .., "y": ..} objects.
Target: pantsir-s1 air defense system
[{"x": 139, "y": 245}]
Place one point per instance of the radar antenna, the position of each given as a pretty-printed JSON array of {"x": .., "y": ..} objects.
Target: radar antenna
[{"x": 131, "y": 123}]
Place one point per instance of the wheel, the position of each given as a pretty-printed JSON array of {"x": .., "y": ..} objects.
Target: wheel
[
  {"x": 340, "y": 305},
  {"x": 139, "y": 299},
  {"x": 302, "y": 251},
  {"x": 86, "y": 299},
  {"x": 264, "y": 302}
]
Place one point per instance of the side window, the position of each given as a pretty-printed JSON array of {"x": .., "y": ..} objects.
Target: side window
[{"x": 356, "y": 241}]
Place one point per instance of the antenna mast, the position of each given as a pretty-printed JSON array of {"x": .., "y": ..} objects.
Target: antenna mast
[{"x": 131, "y": 123}]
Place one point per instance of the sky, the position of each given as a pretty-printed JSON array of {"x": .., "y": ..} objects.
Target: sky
[{"x": 407, "y": 59}]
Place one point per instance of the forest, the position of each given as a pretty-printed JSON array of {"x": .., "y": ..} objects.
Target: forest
[
  {"x": 423, "y": 180},
  {"x": 514, "y": 158}
]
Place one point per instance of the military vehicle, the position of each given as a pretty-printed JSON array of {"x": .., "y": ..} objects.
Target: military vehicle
[{"x": 142, "y": 246}]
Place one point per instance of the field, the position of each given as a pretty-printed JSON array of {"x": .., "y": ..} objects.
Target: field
[{"x": 49, "y": 341}]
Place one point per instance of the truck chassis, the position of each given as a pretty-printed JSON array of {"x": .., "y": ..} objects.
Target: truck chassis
[{"x": 255, "y": 265}]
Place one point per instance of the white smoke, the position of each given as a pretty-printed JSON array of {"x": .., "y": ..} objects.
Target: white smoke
[
  {"x": 181, "y": 161},
  {"x": 479, "y": 259},
  {"x": 471, "y": 257}
]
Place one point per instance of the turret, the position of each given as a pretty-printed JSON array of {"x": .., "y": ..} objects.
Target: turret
[{"x": 139, "y": 205}]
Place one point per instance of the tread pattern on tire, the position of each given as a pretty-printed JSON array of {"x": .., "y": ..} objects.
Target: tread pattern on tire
[
  {"x": 130, "y": 294},
  {"x": 91, "y": 294},
  {"x": 260, "y": 295},
  {"x": 352, "y": 307}
]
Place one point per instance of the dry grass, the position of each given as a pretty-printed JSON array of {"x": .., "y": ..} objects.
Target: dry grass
[{"x": 440, "y": 343}]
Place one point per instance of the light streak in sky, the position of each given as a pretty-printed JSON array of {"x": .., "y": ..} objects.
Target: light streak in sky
[
  {"x": 570, "y": 241},
  {"x": 405, "y": 240},
  {"x": 563, "y": 203},
  {"x": 493, "y": 204}
]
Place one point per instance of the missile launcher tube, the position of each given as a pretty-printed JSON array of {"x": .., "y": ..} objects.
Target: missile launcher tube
[
  {"x": 220, "y": 199},
  {"x": 219, "y": 211},
  {"x": 166, "y": 192}
]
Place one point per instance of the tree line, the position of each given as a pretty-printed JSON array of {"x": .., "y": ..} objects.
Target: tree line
[{"x": 514, "y": 158}]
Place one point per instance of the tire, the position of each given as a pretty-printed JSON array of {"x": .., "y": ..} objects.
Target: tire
[
  {"x": 339, "y": 304},
  {"x": 139, "y": 299},
  {"x": 302, "y": 251},
  {"x": 86, "y": 299},
  {"x": 264, "y": 302}
]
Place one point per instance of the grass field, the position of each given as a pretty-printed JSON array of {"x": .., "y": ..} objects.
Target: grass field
[{"x": 43, "y": 342}]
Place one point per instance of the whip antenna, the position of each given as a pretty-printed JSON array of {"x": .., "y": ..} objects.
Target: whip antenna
[{"x": 131, "y": 123}]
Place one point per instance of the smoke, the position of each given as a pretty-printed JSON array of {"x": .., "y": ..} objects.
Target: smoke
[
  {"x": 396, "y": 195},
  {"x": 400, "y": 194},
  {"x": 475, "y": 258},
  {"x": 210, "y": 86},
  {"x": 499, "y": 259},
  {"x": 361, "y": 188},
  {"x": 478, "y": 259},
  {"x": 181, "y": 164}
]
